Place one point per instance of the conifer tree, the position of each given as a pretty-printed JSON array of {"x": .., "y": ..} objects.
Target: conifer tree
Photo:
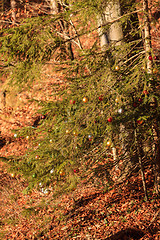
[{"x": 107, "y": 88}]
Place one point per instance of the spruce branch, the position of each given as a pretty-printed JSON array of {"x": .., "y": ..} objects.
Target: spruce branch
[
  {"x": 68, "y": 38},
  {"x": 135, "y": 57}
]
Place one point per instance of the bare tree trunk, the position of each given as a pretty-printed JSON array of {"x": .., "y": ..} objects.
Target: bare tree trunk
[
  {"x": 54, "y": 7},
  {"x": 104, "y": 42},
  {"x": 155, "y": 129},
  {"x": 112, "y": 36},
  {"x": 13, "y": 8},
  {"x": 115, "y": 38},
  {"x": 115, "y": 33},
  {"x": 147, "y": 38}
]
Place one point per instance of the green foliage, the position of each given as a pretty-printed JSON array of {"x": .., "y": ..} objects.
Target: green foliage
[
  {"x": 25, "y": 48},
  {"x": 74, "y": 127}
]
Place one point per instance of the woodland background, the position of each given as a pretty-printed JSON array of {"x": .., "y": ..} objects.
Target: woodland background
[{"x": 54, "y": 60}]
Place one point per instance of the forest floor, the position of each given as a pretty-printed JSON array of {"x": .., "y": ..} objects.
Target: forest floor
[{"x": 87, "y": 212}]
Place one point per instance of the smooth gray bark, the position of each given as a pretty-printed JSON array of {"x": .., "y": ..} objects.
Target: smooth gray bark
[{"x": 13, "y": 8}]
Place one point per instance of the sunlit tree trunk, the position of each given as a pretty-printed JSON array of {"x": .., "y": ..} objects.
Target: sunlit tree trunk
[
  {"x": 13, "y": 8},
  {"x": 54, "y": 7},
  {"x": 155, "y": 128},
  {"x": 147, "y": 36},
  {"x": 115, "y": 38},
  {"x": 115, "y": 33},
  {"x": 112, "y": 35},
  {"x": 104, "y": 42}
]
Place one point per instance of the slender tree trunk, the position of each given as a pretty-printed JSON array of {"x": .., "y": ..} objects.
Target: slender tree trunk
[
  {"x": 13, "y": 8},
  {"x": 115, "y": 33},
  {"x": 104, "y": 42},
  {"x": 112, "y": 36},
  {"x": 155, "y": 128},
  {"x": 54, "y": 7},
  {"x": 147, "y": 38},
  {"x": 115, "y": 38}
]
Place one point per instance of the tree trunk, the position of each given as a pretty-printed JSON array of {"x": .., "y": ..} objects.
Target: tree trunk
[
  {"x": 112, "y": 36},
  {"x": 115, "y": 33},
  {"x": 147, "y": 38},
  {"x": 155, "y": 129},
  {"x": 104, "y": 42},
  {"x": 54, "y": 7},
  {"x": 13, "y": 8},
  {"x": 115, "y": 37}
]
